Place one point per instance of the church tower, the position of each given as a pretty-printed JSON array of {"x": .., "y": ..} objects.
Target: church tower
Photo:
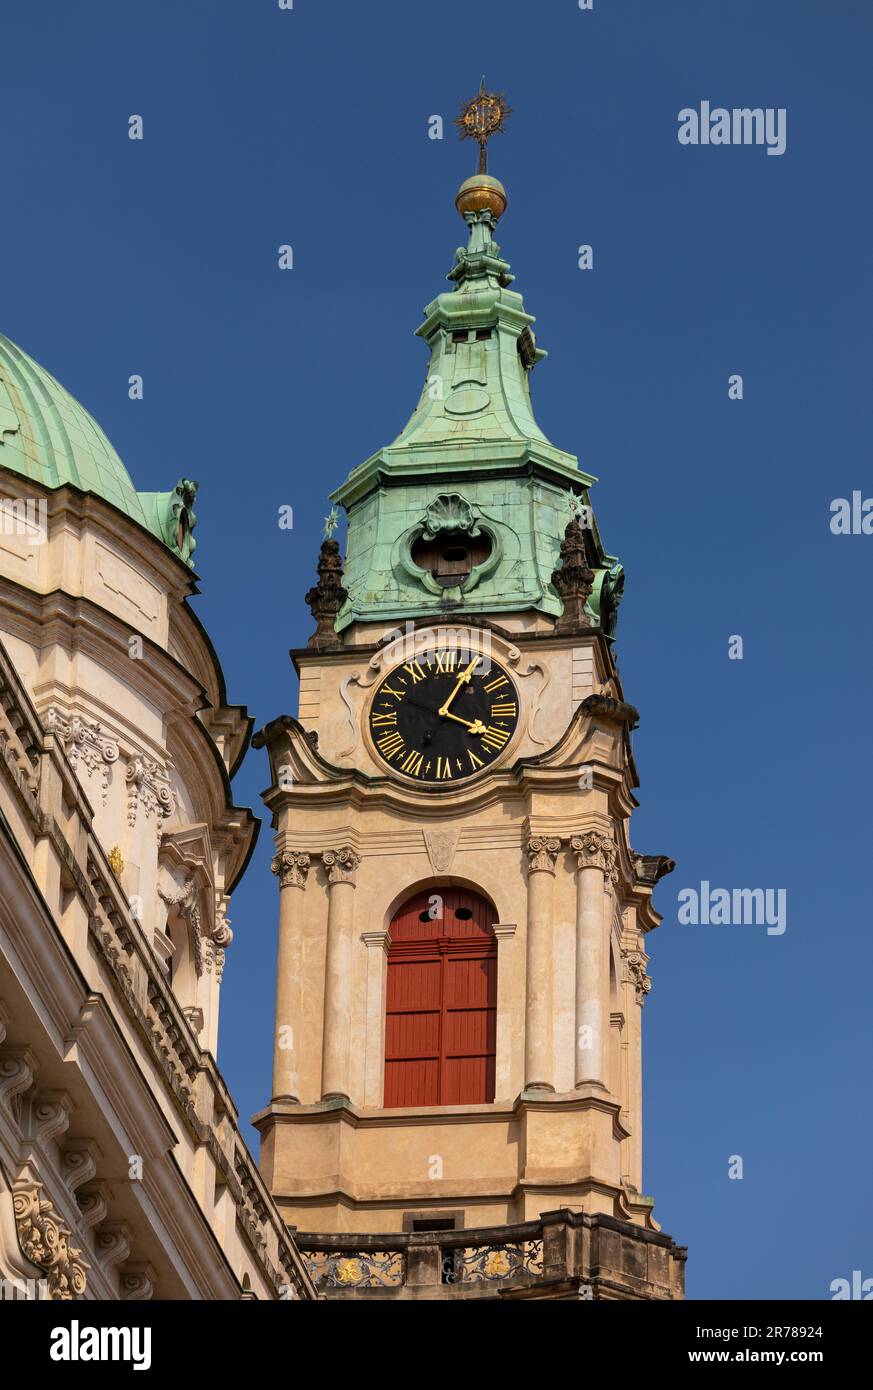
[{"x": 457, "y": 1084}]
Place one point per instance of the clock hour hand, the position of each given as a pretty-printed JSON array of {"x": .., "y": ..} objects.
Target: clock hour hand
[
  {"x": 463, "y": 679},
  {"x": 475, "y": 726}
]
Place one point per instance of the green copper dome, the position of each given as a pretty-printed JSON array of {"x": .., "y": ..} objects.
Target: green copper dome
[{"x": 48, "y": 437}]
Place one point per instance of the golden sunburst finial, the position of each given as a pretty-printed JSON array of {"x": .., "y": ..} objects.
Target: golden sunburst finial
[{"x": 485, "y": 115}]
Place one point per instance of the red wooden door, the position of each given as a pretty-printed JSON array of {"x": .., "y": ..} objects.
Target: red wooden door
[{"x": 442, "y": 1001}]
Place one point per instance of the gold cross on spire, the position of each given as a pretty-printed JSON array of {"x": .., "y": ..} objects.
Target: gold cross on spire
[{"x": 481, "y": 118}]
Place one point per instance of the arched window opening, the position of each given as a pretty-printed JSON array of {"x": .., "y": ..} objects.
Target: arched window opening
[{"x": 440, "y": 1024}]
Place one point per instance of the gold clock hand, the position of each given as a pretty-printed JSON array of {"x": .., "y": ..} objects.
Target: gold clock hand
[
  {"x": 463, "y": 678},
  {"x": 475, "y": 726}
]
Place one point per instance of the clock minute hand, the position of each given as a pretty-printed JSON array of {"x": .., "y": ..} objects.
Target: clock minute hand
[{"x": 463, "y": 678}]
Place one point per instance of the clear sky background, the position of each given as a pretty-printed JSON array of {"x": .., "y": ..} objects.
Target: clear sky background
[{"x": 309, "y": 127}]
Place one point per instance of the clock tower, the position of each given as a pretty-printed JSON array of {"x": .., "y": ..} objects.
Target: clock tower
[{"x": 456, "y": 1099}]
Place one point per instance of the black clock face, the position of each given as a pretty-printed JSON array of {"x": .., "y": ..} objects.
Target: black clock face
[{"x": 444, "y": 715}]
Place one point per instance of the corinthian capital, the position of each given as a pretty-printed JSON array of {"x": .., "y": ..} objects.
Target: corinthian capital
[
  {"x": 292, "y": 868},
  {"x": 636, "y": 969},
  {"x": 341, "y": 864},
  {"x": 595, "y": 851},
  {"x": 541, "y": 851}
]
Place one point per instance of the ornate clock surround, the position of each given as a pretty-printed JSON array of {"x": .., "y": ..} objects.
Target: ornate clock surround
[{"x": 433, "y": 660}]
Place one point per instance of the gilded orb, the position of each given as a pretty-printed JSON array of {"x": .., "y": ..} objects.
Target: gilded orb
[{"x": 481, "y": 191}]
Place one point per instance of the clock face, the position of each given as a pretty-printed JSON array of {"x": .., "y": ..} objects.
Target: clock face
[{"x": 444, "y": 715}]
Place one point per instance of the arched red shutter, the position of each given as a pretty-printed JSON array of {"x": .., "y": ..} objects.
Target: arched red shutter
[{"x": 442, "y": 1001}]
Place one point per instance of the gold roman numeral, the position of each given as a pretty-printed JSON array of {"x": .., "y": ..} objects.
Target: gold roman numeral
[
  {"x": 496, "y": 684},
  {"x": 443, "y": 768},
  {"x": 389, "y": 690},
  {"x": 445, "y": 661},
  {"x": 476, "y": 762},
  {"x": 390, "y": 744},
  {"x": 494, "y": 738},
  {"x": 504, "y": 709},
  {"x": 412, "y": 763},
  {"x": 416, "y": 670},
  {"x": 390, "y": 718}
]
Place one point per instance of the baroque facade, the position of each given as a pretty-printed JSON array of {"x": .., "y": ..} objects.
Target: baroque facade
[
  {"x": 456, "y": 1103},
  {"x": 123, "y": 1171}
]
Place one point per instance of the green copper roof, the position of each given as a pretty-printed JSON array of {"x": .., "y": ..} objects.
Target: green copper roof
[
  {"x": 47, "y": 436},
  {"x": 472, "y": 461},
  {"x": 475, "y": 406}
]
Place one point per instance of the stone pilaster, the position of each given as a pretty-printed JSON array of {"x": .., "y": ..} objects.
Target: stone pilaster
[
  {"x": 595, "y": 861},
  {"x": 539, "y": 1050},
  {"x": 378, "y": 944},
  {"x": 341, "y": 865},
  {"x": 510, "y": 1020},
  {"x": 292, "y": 869}
]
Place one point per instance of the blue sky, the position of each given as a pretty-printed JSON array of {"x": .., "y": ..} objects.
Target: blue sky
[{"x": 309, "y": 127}]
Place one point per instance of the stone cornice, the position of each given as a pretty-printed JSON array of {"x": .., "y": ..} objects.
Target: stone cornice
[
  {"x": 548, "y": 640},
  {"x": 313, "y": 778}
]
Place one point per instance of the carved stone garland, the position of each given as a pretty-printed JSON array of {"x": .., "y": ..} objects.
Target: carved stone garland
[
  {"x": 222, "y": 936},
  {"x": 189, "y": 908},
  {"x": 85, "y": 745},
  {"x": 146, "y": 787},
  {"x": 44, "y": 1239}
]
